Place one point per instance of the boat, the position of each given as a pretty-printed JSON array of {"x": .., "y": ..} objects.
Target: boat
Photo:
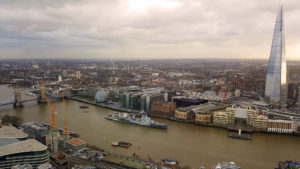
[
  {"x": 170, "y": 161},
  {"x": 221, "y": 165},
  {"x": 131, "y": 119},
  {"x": 239, "y": 136},
  {"x": 121, "y": 144},
  {"x": 83, "y": 107}
]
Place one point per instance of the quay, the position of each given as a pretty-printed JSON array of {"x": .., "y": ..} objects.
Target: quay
[{"x": 228, "y": 128}]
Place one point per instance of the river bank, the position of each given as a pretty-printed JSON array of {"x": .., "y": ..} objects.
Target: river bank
[
  {"x": 190, "y": 144},
  {"x": 228, "y": 128}
]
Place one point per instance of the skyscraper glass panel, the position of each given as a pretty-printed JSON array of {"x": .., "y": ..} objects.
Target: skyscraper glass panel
[{"x": 276, "y": 82}]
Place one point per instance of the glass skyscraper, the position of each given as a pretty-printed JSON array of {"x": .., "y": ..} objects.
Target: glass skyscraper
[{"x": 276, "y": 82}]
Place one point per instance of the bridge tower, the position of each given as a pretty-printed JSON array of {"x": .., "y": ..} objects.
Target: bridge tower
[
  {"x": 41, "y": 99},
  {"x": 18, "y": 98}
]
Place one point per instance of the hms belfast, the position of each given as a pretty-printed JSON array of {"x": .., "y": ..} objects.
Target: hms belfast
[{"x": 276, "y": 81}]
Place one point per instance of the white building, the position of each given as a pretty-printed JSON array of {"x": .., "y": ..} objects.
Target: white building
[{"x": 78, "y": 75}]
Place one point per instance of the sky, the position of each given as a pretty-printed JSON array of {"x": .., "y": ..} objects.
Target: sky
[{"x": 145, "y": 29}]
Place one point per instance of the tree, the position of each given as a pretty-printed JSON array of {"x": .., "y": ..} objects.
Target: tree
[{"x": 14, "y": 120}]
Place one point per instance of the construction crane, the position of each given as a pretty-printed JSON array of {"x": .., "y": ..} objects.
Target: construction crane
[
  {"x": 51, "y": 108},
  {"x": 66, "y": 131}
]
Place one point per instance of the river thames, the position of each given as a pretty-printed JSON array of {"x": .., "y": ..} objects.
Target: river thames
[{"x": 190, "y": 144}]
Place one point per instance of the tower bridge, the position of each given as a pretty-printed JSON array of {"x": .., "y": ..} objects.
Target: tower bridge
[{"x": 15, "y": 99}]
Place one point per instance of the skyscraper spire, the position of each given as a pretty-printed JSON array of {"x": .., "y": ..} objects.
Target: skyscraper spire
[{"x": 276, "y": 82}]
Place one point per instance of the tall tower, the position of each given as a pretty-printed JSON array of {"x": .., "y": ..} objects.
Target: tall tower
[
  {"x": 276, "y": 82},
  {"x": 298, "y": 99}
]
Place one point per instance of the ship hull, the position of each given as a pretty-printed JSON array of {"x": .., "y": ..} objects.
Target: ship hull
[
  {"x": 159, "y": 126},
  {"x": 239, "y": 137}
]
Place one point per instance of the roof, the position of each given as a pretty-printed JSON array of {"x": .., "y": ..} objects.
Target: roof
[
  {"x": 45, "y": 166},
  {"x": 12, "y": 132},
  {"x": 76, "y": 142},
  {"x": 208, "y": 108},
  {"x": 6, "y": 141},
  {"x": 241, "y": 113},
  {"x": 59, "y": 156},
  {"x": 29, "y": 145},
  {"x": 36, "y": 125},
  {"x": 23, "y": 166},
  {"x": 280, "y": 121}
]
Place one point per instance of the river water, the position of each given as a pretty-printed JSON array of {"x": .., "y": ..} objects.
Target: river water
[{"x": 190, "y": 144}]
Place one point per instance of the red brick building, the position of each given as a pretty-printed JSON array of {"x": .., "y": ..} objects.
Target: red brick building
[{"x": 163, "y": 109}]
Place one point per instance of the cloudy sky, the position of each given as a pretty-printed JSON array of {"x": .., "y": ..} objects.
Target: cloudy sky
[{"x": 145, "y": 29}]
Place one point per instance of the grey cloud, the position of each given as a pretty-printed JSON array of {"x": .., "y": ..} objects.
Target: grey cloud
[{"x": 101, "y": 28}]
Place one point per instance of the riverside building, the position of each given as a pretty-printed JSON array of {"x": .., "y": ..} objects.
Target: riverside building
[{"x": 15, "y": 149}]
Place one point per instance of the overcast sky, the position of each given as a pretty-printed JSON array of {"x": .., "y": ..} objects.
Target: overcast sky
[{"x": 145, "y": 29}]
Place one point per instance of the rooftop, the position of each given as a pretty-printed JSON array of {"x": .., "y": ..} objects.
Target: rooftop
[
  {"x": 208, "y": 107},
  {"x": 29, "y": 145},
  {"x": 45, "y": 166},
  {"x": 24, "y": 166},
  {"x": 59, "y": 156},
  {"x": 12, "y": 132},
  {"x": 241, "y": 113},
  {"x": 6, "y": 141},
  {"x": 76, "y": 142},
  {"x": 36, "y": 125}
]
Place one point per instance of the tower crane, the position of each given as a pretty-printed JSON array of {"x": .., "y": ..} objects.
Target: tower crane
[
  {"x": 51, "y": 108},
  {"x": 66, "y": 131}
]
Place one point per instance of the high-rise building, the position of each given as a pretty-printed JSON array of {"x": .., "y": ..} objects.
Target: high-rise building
[
  {"x": 78, "y": 75},
  {"x": 59, "y": 78},
  {"x": 276, "y": 82},
  {"x": 299, "y": 100},
  {"x": 64, "y": 73}
]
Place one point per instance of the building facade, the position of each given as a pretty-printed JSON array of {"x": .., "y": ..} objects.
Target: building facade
[
  {"x": 23, "y": 152},
  {"x": 280, "y": 126},
  {"x": 163, "y": 109},
  {"x": 276, "y": 80}
]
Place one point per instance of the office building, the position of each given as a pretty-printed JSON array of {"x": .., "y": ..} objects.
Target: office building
[
  {"x": 299, "y": 100},
  {"x": 288, "y": 165},
  {"x": 36, "y": 130},
  {"x": 280, "y": 126},
  {"x": 23, "y": 152},
  {"x": 78, "y": 75},
  {"x": 64, "y": 73},
  {"x": 204, "y": 112},
  {"x": 185, "y": 102},
  {"x": 185, "y": 113},
  {"x": 163, "y": 109},
  {"x": 75, "y": 144},
  {"x": 276, "y": 80}
]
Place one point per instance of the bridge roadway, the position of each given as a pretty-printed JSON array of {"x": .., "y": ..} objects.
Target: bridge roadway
[
  {"x": 23, "y": 101},
  {"x": 30, "y": 100}
]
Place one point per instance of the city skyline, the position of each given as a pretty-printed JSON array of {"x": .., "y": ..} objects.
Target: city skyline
[{"x": 159, "y": 29}]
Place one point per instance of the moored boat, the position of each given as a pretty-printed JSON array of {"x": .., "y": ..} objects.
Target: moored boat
[
  {"x": 83, "y": 107},
  {"x": 170, "y": 161},
  {"x": 131, "y": 119},
  {"x": 239, "y": 136},
  {"x": 121, "y": 144}
]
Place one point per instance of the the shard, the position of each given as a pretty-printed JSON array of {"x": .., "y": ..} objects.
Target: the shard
[{"x": 276, "y": 82}]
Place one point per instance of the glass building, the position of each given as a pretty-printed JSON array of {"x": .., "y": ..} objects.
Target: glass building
[{"x": 276, "y": 82}]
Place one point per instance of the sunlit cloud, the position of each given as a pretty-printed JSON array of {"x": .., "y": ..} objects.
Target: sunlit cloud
[
  {"x": 144, "y": 29},
  {"x": 143, "y": 5}
]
